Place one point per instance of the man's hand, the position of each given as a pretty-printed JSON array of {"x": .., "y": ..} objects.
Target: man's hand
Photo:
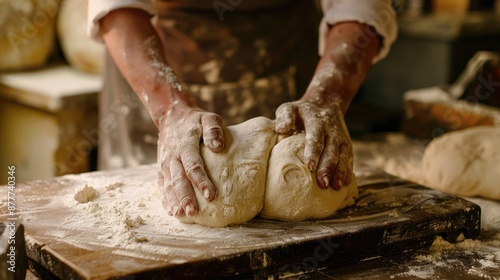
[
  {"x": 328, "y": 148},
  {"x": 138, "y": 52},
  {"x": 180, "y": 166},
  {"x": 320, "y": 112}
]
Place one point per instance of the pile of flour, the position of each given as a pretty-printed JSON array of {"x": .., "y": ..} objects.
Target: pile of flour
[{"x": 120, "y": 218}]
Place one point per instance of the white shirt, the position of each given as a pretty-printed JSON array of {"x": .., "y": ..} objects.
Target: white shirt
[{"x": 377, "y": 13}]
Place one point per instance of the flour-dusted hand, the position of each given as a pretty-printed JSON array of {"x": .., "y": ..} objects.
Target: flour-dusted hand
[
  {"x": 180, "y": 166},
  {"x": 349, "y": 51},
  {"x": 328, "y": 147},
  {"x": 181, "y": 123}
]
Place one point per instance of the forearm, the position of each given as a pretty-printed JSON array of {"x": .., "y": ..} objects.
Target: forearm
[
  {"x": 350, "y": 49},
  {"x": 136, "y": 49}
]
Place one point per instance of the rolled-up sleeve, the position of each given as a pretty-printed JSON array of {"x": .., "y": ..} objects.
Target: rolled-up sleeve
[
  {"x": 377, "y": 13},
  {"x": 97, "y": 9}
]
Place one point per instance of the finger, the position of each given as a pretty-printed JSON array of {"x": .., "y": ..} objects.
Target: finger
[
  {"x": 195, "y": 171},
  {"x": 327, "y": 165},
  {"x": 160, "y": 181},
  {"x": 314, "y": 140},
  {"x": 183, "y": 189},
  {"x": 350, "y": 166},
  {"x": 160, "y": 185},
  {"x": 172, "y": 200},
  {"x": 285, "y": 118},
  {"x": 343, "y": 169},
  {"x": 213, "y": 135}
]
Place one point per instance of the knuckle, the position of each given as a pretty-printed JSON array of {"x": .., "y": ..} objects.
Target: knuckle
[
  {"x": 194, "y": 169},
  {"x": 163, "y": 165},
  {"x": 344, "y": 158},
  {"x": 340, "y": 171},
  {"x": 214, "y": 132},
  {"x": 315, "y": 143},
  {"x": 195, "y": 130},
  {"x": 176, "y": 180},
  {"x": 168, "y": 185}
]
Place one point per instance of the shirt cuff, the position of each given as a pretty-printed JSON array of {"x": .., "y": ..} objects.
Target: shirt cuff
[
  {"x": 97, "y": 9},
  {"x": 377, "y": 13}
]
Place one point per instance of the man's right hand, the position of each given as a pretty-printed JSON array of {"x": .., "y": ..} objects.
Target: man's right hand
[
  {"x": 138, "y": 52},
  {"x": 180, "y": 166}
]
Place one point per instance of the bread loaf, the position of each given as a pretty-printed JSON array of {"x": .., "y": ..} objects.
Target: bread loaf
[
  {"x": 79, "y": 50},
  {"x": 27, "y": 33}
]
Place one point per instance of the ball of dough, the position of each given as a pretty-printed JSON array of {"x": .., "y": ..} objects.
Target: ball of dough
[
  {"x": 238, "y": 173},
  {"x": 27, "y": 33},
  {"x": 292, "y": 193},
  {"x": 80, "y": 51},
  {"x": 465, "y": 162}
]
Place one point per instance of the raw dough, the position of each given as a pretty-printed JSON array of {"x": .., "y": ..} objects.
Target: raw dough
[
  {"x": 238, "y": 173},
  {"x": 292, "y": 193},
  {"x": 465, "y": 162},
  {"x": 80, "y": 51},
  {"x": 27, "y": 33}
]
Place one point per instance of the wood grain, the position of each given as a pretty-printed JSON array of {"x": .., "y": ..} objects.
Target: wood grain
[{"x": 391, "y": 216}]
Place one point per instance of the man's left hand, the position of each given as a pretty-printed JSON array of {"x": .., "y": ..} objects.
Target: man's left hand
[{"x": 328, "y": 148}]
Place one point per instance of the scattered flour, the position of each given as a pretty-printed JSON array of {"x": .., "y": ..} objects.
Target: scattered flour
[
  {"x": 115, "y": 219},
  {"x": 470, "y": 258}
]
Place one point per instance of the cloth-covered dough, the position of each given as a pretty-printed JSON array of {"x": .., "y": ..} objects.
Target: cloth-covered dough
[
  {"x": 292, "y": 192},
  {"x": 238, "y": 173},
  {"x": 465, "y": 162}
]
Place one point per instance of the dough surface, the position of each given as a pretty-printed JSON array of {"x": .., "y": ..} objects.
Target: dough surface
[
  {"x": 27, "y": 33},
  {"x": 81, "y": 52},
  {"x": 292, "y": 193},
  {"x": 465, "y": 162},
  {"x": 238, "y": 173}
]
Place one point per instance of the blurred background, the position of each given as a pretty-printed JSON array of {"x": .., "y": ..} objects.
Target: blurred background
[{"x": 50, "y": 75}]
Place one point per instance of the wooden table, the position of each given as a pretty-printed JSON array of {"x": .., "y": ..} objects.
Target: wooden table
[{"x": 79, "y": 241}]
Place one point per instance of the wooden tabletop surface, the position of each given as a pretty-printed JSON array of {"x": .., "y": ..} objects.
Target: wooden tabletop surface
[{"x": 65, "y": 239}]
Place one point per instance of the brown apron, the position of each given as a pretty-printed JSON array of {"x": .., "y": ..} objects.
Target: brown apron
[{"x": 239, "y": 58}]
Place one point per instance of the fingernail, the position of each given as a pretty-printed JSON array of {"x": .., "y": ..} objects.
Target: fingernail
[
  {"x": 175, "y": 210},
  {"x": 216, "y": 143},
  {"x": 206, "y": 193},
  {"x": 190, "y": 210},
  {"x": 326, "y": 181},
  {"x": 311, "y": 164},
  {"x": 340, "y": 184}
]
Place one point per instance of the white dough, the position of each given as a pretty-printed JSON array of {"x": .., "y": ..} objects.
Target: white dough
[
  {"x": 80, "y": 51},
  {"x": 27, "y": 33},
  {"x": 465, "y": 162},
  {"x": 292, "y": 192},
  {"x": 238, "y": 173}
]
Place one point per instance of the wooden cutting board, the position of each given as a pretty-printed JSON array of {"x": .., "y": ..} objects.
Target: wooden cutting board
[{"x": 105, "y": 238}]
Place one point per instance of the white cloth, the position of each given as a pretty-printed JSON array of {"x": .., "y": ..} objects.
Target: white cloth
[
  {"x": 377, "y": 13},
  {"x": 97, "y": 9}
]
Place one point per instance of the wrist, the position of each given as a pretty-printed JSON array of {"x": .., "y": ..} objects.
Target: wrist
[{"x": 329, "y": 87}]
